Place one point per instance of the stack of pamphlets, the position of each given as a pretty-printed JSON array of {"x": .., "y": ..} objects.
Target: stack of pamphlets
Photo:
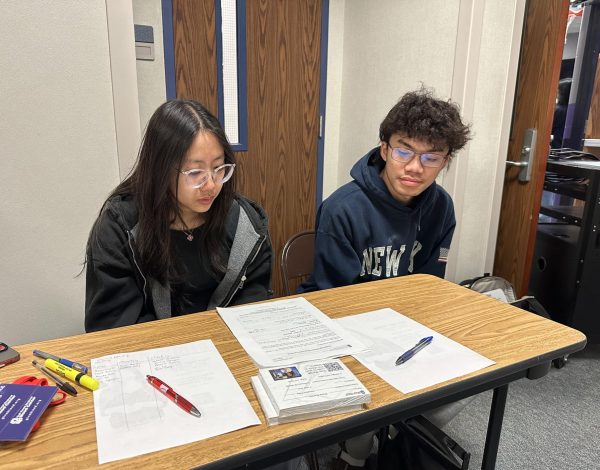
[{"x": 308, "y": 390}]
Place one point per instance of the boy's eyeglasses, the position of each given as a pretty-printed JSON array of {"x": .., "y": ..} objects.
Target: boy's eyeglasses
[
  {"x": 430, "y": 160},
  {"x": 197, "y": 178}
]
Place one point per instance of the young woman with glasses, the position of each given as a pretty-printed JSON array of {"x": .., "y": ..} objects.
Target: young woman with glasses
[{"x": 174, "y": 237}]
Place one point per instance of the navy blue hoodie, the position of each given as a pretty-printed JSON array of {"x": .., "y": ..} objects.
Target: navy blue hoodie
[{"x": 364, "y": 234}]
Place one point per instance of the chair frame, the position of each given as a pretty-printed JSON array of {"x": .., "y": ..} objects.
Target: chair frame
[{"x": 296, "y": 241}]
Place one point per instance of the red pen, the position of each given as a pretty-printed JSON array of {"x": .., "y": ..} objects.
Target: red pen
[{"x": 172, "y": 395}]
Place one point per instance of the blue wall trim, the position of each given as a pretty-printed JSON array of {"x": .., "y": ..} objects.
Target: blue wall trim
[
  {"x": 322, "y": 99},
  {"x": 169, "y": 49},
  {"x": 242, "y": 145}
]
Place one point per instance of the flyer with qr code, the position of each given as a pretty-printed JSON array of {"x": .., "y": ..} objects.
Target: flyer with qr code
[
  {"x": 20, "y": 408},
  {"x": 316, "y": 387}
]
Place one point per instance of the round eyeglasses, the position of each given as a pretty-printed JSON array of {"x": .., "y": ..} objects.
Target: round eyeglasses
[
  {"x": 197, "y": 178},
  {"x": 430, "y": 160}
]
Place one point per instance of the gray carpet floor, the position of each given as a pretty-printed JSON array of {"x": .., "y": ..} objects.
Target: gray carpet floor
[{"x": 552, "y": 423}]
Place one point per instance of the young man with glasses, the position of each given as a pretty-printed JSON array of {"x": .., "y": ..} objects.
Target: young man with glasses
[{"x": 393, "y": 219}]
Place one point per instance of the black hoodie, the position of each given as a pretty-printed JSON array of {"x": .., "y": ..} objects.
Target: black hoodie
[{"x": 119, "y": 293}]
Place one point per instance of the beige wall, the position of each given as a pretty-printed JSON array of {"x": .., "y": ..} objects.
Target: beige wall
[
  {"x": 68, "y": 128},
  {"x": 59, "y": 159},
  {"x": 379, "y": 49},
  {"x": 150, "y": 73},
  {"x": 493, "y": 95},
  {"x": 121, "y": 41}
]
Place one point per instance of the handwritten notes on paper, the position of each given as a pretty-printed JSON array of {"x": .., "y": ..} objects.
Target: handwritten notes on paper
[
  {"x": 287, "y": 331},
  {"x": 132, "y": 418}
]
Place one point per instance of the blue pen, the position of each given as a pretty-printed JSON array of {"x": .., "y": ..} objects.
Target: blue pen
[
  {"x": 414, "y": 350},
  {"x": 66, "y": 362}
]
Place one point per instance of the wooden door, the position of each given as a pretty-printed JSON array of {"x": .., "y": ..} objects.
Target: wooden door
[
  {"x": 194, "y": 42},
  {"x": 283, "y": 38},
  {"x": 539, "y": 68}
]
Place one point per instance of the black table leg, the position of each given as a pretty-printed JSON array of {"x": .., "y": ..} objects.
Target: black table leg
[{"x": 492, "y": 439}]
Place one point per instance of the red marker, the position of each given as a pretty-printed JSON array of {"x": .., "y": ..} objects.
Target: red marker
[{"x": 172, "y": 395}]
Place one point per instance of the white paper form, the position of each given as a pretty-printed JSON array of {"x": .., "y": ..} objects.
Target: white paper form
[
  {"x": 133, "y": 418},
  {"x": 388, "y": 334},
  {"x": 288, "y": 331}
]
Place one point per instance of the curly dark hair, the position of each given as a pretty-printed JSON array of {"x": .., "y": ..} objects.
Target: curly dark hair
[{"x": 420, "y": 115}]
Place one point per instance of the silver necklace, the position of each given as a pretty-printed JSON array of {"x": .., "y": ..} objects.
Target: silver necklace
[
  {"x": 188, "y": 232},
  {"x": 190, "y": 235}
]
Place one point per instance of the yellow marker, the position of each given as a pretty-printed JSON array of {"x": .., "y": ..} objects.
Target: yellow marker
[{"x": 72, "y": 374}]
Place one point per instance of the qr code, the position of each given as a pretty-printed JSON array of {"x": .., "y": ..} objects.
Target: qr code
[{"x": 332, "y": 366}]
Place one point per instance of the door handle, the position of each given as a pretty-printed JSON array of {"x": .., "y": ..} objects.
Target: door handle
[
  {"x": 508, "y": 162},
  {"x": 527, "y": 154}
]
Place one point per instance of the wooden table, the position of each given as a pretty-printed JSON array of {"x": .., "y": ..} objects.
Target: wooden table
[{"x": 521, "y": 343}]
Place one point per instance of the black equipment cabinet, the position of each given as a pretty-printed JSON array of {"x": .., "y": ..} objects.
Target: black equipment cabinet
[{"x": 565, "y": 275}]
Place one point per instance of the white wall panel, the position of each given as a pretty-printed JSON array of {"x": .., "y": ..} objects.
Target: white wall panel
[
  {"x": 466, "y": 50},
  {"x": 59, "y": 160}
]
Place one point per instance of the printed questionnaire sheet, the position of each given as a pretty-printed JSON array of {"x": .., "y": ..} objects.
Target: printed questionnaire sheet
[
  {"x": 133, "y": 418},
  {"x": 288, "y": 331}
]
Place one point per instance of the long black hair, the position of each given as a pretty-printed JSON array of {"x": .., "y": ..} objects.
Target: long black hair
[{"x": 169, "y": 134}]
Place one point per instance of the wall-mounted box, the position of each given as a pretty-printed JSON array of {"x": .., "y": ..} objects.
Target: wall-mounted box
[{"x": 144, "y": 42}]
